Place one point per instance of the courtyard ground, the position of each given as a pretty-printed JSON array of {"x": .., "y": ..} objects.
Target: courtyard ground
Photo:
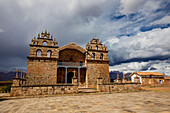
[{"x": 134, "y": 102}]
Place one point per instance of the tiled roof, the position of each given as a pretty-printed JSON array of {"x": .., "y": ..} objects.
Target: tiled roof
[{"x": 148, "y": 73}]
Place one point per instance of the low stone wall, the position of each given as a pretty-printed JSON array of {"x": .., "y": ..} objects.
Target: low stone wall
[
  {"x": 43, "y": 89},
  {"x": 118, "y": 87}
]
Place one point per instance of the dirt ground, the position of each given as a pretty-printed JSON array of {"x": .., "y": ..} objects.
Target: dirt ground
[{"x": 157, "y": 89}]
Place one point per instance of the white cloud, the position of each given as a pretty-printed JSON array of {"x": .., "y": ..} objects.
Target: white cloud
[
  {"x": 145, "y": 7},
  {"x": 130, "y": 6},
  {"x": 142, "y": 45},
  {"x": 164, "y": 20},
  {"x": 159, "y": 66}
]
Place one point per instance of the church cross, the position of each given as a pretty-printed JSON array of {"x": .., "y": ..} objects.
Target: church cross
[{"x": 74, "y": 73}]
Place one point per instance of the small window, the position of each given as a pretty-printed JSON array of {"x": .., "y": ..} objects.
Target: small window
[
  {"x": 45, "y": 36},
  {"x": 96, "y": 47},
  {"x": 71, "y": 59},
  {"x": 38, "y": 54},
  {"x": 49, "y": 53},
  {"x": 44, "y": 43},
  {"x": 93, "y": 56},
  {"x": 101, "y": 56}
]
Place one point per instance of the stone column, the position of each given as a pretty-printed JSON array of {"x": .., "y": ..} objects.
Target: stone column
[
  {"x": 75, "y": 83},
  {"x": 78, "y": 75},
  {"x": 17, "y": 71},
  {"x": 66, "y": 76},
  {"x": 117, "y": 78},
  {"x": 124, "y": 79},
  {"x": 21, "y": 80},
  {"x": 16, "y": 80}
]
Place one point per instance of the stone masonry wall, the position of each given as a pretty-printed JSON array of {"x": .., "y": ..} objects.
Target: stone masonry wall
[
  {"x": 96, "y": 70},
  {"x": 41, "y": 72},
  {"x": 42, "y": 90},
  {"x": 71, "y": 54},
  {"x": 118, "y": 87}
]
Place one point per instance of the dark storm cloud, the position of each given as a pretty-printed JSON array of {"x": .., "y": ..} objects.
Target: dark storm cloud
[{"x": 79, "y": 21}]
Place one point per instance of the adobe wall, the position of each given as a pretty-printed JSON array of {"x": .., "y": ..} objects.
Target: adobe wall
[
  {"x": 41, "y": 72},
  {"x": 167, "y": 82},
  {"x": 118, "y": 87},
  {"x": 152, "y": 81},
  {"x": 96, "y": 70},
  {"x": 42, "y": 90}
]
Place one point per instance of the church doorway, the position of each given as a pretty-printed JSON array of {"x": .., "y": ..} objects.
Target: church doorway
[{"x": 69, "y": 77}]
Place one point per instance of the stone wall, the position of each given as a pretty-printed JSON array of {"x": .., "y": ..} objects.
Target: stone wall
[
  {"x": 95, "y": 70},
  {"x": 71, "y": 55},
  {"x": 33, "y": 90},
  {"x": 116, "y": 87},
  {"x": 41, "y": 72}
]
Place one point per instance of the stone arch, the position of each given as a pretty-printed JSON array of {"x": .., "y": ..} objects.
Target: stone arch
[
  {"x": 96, "y": 47},
  {"x": 44, "y": 43},
  {"x": 38, "y": 53},
  {"x": 101, "y": 56},
  {"x": 93, "y": 56},
  {"x": 49, "y": 53}
]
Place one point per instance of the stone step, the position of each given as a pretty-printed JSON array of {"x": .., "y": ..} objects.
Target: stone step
[{"x": 87, "y": 90}]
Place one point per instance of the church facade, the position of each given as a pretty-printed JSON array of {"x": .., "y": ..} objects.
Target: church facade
[{"x": 49, "y": 64}]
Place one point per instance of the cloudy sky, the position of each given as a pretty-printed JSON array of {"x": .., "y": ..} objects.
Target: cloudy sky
[{"x": 136, "y": 32}]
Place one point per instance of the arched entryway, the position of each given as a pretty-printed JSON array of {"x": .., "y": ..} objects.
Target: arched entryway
[{"x": 69, "y": 77}]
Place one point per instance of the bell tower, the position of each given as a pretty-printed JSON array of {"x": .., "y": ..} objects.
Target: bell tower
[
  {"x": 42, "y": 60},
  {"x": 98, "y": 63}
]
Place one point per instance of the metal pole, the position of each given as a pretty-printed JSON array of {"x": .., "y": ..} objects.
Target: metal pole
[
  {"x": 66, "y": 76},
  {"x": 79, "y": 75}
]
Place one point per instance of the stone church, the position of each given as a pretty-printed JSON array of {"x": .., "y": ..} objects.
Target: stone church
[{"x": 49, "y": 64}]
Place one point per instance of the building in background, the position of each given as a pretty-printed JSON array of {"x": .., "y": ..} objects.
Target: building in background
[{"x": 148, "y": 78}]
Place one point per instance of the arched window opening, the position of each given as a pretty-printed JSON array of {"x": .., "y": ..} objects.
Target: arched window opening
[
  {"x": 49, "y": 53},
  {"x": 71, "y": 59},
  {"x": 93, "y": 56},
  {"x": 38, "y": 53},
  {"x": 101, "y": 56},
  {"x": 96, "y": 47},
  {"x": 45, "y": 36},
  {"x": 44, "y": 43}
]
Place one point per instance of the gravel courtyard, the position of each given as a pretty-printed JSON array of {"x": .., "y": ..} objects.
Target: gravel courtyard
[{"x": 135, "y": 102}]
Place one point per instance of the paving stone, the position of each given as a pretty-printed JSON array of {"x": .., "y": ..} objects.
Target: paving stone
[{"x": 134, "y": 102}]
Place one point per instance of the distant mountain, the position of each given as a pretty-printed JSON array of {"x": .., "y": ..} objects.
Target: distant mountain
[
  {"x": 113, "y": 75},
  {"x": 7, "y": 76}
]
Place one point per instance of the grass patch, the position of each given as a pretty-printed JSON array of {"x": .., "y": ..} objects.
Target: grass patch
[{"x": 5, "y": 89}]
